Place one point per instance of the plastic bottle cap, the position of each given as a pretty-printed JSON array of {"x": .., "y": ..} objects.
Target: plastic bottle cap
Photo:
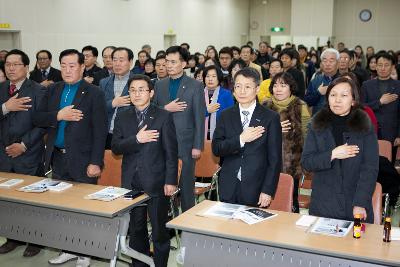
[{"x": 388, "y": 219}]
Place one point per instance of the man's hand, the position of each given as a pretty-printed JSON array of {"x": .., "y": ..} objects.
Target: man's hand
[
  {"x": 211, "y": 108},
  {"x": 68, "y": 113},
  {"x": 251, "y": 133},
  {"x": 322, "y": 89},
  {"x": 18, "y": 104},
  {"x": 264, "y": 200},
  {"x": 361, "y": 211},
  {"x": 89, "y": 79},
  {"x": 46, "y": 83},
  {"x": 175, "y": 106},
  {"x": 121, "y": 101},
  {"x": 93, "y": 170},
  {"x": 15, "y": 150},
  {"x": 285, "y": 126},
  {"x": 396, "y": 141},
  {"x": 388, "y": 98},
  {"x": 344, "y": 152},
  {"x": 169, "y": 189},
  {"x": 147, "y": 136},
  {"x": 196, "y": 153}
]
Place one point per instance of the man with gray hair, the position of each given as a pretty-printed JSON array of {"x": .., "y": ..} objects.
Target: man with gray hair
[{"x": 315, "y": 95}]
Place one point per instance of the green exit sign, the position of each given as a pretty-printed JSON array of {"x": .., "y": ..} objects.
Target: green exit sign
[{"x": 277, "y": 29}]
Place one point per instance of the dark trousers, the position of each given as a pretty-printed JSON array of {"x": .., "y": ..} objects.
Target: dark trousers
[
  {"x": 186, "y": 183},
  {"x": 296, "y": 207},
  {"x": 157, "y": 209},
  {"x": 108, "y": 140},
  {"x": 61, "y": 172},
  {"x": 236, "y": 197}
]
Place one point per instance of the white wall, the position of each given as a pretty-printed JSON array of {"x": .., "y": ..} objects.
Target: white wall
[
  {"x": 60, "y": 24},
  {"x": 382, "y": 31}
]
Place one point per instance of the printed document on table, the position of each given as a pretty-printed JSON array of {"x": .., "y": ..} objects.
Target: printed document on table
[
  {"x": 108, "y": 193},
  {"x": 332, "y": 227}
]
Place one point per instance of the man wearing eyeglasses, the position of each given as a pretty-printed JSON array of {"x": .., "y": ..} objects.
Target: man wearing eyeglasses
[
  {"x": 45, "y": 74},
  {"x": 248, "y": 137},
  {"x": 21, "y": 142},
  {"x": 90, "y": 53},
  {"x": 74, "y": 113},
  {"x": 108, "y": 65},
  {"x": 145, "y": 135},
  {"x": 115, "y": 87}
]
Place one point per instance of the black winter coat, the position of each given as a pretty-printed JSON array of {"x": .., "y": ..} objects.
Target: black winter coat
[{"x": 339, "y": 185}]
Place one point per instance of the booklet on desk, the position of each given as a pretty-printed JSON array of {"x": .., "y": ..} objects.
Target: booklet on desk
[
  {"x": 332, "y": 227},
  {"x": 233, "y": 211},
  {"x": 10, "y": 183},
  {"x": 44, "y": 185},
  {"x": 108, "y": 193}
]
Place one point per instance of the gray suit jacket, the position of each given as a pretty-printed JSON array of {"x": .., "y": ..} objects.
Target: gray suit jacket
[{"x": 189, "y": 124}]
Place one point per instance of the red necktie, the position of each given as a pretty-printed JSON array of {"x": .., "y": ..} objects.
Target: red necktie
[{"x": 12, "y": 89}]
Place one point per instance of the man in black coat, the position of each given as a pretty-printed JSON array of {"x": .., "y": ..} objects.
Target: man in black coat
[
  {"x": 45, "y": 74},
  {"x": 382, "y": 95},
  {"x": 249, "y": 139},
  {"x": 75, "y": 114},
  {"x": 145, "y": 135},
  {"x": 286, "y": 56},
  {"x": 107, "y": 69},
  {"x": 21, "y": 142}
]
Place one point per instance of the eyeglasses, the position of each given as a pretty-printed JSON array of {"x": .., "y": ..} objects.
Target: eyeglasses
[
  {"x": 42, "y": 58},
  {"x": 246, "y": 88},
  {"x": 14, "y": 65},
  {"x": 140, "y": 91}
]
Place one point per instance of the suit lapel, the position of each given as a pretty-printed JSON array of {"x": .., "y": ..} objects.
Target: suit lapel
[
  {"x": 149, "y": 118},
  {"x": 82, "y": 91},
  {"x": 57, "y": 95},
  {"x": 236, "y": 120},
  {"x": 256, "y": 117},
  {"x": 182, "y": 87}
]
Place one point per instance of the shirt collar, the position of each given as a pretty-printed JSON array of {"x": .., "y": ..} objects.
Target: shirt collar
[
  {"x": 18, "y": 84},
  {"x": 249, "y": 109},
  {"x": 123, "y": 78}
]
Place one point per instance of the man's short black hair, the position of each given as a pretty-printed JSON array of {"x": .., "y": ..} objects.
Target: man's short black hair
[
  {"x": 67, "y": 52},
  {"x": 287, "y": 51},
  {"x": 186, "y": 44},
  {"x": 249, "y": 73},
  {"x": 387, "y": 56},
  {"x": 129, "y": 51},
  {"x": 235, "y": 48},
  {"x": 93, "y": 49},
  {"x": 302, "y": 47},
  {"x": 24, "y": 57},
  {"x": 141, "y": 77},
  {"x": 160, "y": 53},
  {"x": 183, "y": 53},
  {"x": 49, "y": 55},
  {"x": 247, "y": 46},
  {"x": 348, "y": 52},
  {"x": 220, "y": 75},
  {"x": 144, "y": 51},
  {"x": 226, "y": 50},
  {"x": 159, "y": 57},
  {"x": 104, "y": 49},
  {"x": 150, "y": 60}
]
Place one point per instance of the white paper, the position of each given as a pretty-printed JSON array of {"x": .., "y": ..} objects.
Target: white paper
[
  {"x": 59, "y": 186},
  {"x": 253, "y": 215},
  {"x": 44, "y": 185},
  {"x": 395, "y": 234},
  {"x": 108, "y": 193},
  {"x": 10, "y": 183},
  {"x": 224, "y": 210},
  {"x": 306, "y": 220},
  {"x": 332, "y": 227}
]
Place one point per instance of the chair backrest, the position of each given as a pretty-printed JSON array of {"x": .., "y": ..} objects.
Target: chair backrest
[
  {"x": 385, "y": 149},
  {"x": 207, "y": 165},
  {"x": 377, "y": 204},
  {"x": 111, "y": 175},
  {"x": 283, "y": 200}
]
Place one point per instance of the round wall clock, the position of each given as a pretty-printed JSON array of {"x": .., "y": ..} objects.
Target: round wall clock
[{"x": 365, "y": 15}]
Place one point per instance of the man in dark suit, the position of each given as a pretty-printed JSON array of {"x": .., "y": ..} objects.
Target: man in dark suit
[
  {"x": 286, "y": 56},
  {"x": 382, "y": 95},
  {"x": 145, "y": 135},
  {"x": 90, "y": 53},
  {"x": 75, "y": 114},
  {"x": 184, "y": 97},
  {"x": 249, "y": 139},
  {"x": 45, "y": 74},
  {"x": 115, "y": 87},
  {"x": 21, "y": 142},
  {"x": 107, "y": 69}
]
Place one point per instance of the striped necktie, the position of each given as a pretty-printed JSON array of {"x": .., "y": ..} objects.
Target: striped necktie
[{"x": 246, "y": 118}]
